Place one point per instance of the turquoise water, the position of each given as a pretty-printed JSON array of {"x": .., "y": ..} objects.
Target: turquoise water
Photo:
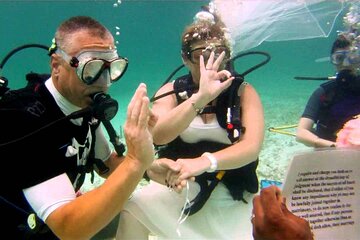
[{"x": 150, "y": 38}]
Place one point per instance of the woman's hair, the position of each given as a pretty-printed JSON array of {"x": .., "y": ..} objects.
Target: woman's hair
[
  {"x": 340, "y": 42},
  {"x": 204, "y": 30},
  {"x": 76, "y": 24}
]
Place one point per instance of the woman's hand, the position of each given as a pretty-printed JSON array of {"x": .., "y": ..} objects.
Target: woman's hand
[
  {"x": 161, "y": 169},
  {"x": 188, "y": 169},
  {"x": 212, "y": 81}
]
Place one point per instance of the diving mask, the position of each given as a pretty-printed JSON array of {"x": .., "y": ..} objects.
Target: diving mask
[
  {"x": 194, "y": 54},
  {"x": 351, "y": 56},
  {"x": 91, "y": 64}
]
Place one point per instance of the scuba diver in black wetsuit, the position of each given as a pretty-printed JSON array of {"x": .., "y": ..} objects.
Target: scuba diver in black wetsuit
[
  {"x": 213, "y": 125},
  {"x": 335, "y": 101},
  {"x": 51, "y": 131}
]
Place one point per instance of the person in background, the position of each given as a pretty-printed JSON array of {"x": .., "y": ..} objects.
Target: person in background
[
  {"x": 213, "y": 128},
  {"x": 52, "y": 132},
  {"x": 335, "y": 101},
  {"x": 271, "y": 218}
]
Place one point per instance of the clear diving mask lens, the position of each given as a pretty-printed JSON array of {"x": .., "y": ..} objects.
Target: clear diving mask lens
[
  {"x": 91, "y": 65},
  {"x": 194, "y": 54},
  {"x": 349, "y": 56}
]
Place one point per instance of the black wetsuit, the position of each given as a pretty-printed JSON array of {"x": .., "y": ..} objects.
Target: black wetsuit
[
  {"x": 27, "y": 161},
  {"x": 330, "y": 106}
]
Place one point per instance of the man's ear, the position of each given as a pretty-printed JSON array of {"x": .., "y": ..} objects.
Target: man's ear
[{"x": 55, "y": 63}]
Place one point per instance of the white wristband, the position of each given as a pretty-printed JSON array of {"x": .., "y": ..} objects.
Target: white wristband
[{"x": 213, "y": 161}]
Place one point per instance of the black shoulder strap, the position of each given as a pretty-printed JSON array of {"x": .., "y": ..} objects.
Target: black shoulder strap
[
  {"x": 331, "y": 89},
  {"x": 228, "y": 109},
  {"x": 183, "y": 87},
  {"x": 91, "y": 161}
]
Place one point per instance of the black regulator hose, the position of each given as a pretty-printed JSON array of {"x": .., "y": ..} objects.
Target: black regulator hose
[
  {"x": 315, "y": 78},
  {"x": 15, "y": 50},
  {"x": 230, "y": 66},
  {"x": 267, "y": 55},
  {"x": 3, "y": 80}
]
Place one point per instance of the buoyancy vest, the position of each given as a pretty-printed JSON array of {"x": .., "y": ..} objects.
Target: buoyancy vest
[
  {"x": 228, "y": 103},
  {"x": 36, "y": 104},
  {"x": 227, "y": 109},
  {"x": 339, "y": 103}
]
